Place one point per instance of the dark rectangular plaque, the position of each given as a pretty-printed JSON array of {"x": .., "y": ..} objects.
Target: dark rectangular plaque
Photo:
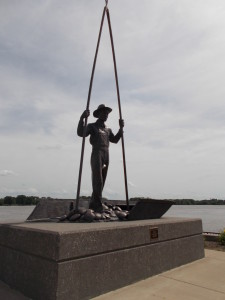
[{"x": 154, "y": 234}]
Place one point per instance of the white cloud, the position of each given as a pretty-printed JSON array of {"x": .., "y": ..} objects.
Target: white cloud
[
  {"x": 7, "y": 173},
  {"x": 131, "y": 184}
]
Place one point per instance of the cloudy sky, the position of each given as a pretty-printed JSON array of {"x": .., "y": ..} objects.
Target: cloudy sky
[{"x": 171, "y": 66}]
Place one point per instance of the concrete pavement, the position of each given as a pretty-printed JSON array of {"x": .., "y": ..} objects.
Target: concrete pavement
[{"x": 202, "y": 279}]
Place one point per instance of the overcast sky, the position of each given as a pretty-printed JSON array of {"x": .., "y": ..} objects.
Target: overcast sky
[{"x": 171, "y": 68}]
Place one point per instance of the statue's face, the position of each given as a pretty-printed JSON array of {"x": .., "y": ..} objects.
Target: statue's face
[{"x": 103, "y": 115}]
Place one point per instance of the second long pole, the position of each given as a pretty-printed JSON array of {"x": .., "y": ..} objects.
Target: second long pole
[{"x": 119, "y": 105}]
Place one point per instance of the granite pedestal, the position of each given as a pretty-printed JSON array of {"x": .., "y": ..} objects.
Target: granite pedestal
[{"x": 83, "y": 260}]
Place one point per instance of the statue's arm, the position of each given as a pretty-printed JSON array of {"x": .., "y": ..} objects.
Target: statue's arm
[
  {"x": 80, "y": 127},
  {"x": 115, "y": 138}
]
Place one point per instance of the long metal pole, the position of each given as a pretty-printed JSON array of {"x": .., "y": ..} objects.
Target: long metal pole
[
  {"x": 87, "y": 108},
  {"x": 120, "y": 111}
]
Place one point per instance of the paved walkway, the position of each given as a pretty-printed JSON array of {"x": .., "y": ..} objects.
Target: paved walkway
[{"x": 200, "y": 280}]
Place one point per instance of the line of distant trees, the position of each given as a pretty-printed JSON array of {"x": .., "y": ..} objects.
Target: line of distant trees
[
  {"x": 20, "y": 200},
  {"x": 189, "y": 201},
  {"x": 199, "y": 202},
  {"x": 33, "y": 200},
  {"x": 30, "y": 200}
]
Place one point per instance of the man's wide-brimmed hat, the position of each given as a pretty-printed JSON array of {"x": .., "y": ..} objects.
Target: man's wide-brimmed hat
[{"x": 100, "y": 108}]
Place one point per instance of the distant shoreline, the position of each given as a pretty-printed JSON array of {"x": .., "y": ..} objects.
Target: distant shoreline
[{"x": 22, "y": 200}]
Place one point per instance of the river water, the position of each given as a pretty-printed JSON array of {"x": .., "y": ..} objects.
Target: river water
[{"x": 213, "y": 216}]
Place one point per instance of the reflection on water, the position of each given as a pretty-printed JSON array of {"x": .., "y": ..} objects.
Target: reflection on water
[{"x": 213, "y": 216}]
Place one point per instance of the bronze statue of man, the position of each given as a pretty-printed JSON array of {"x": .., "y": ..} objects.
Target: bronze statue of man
[{"x": 100, "y": 136}]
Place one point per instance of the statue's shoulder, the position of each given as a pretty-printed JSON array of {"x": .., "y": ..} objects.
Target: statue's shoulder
[
  {"x": 91, "y": 124},
  {"x": 92, "y": 127}
]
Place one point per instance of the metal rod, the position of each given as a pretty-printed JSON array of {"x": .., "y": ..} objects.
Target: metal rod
[
  {"x": 119, "y": 104},
  {"x": 87, "y": 108}
]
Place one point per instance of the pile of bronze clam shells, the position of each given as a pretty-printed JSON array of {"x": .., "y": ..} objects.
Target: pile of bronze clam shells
[{"x": 109, "y": 213}]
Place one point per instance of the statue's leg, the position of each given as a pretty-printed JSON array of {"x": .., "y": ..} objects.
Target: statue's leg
[
  {"x": 97, "y": 181},
  {"x": 105, "y": 167},
  {"x": 104, "y": 174}
]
